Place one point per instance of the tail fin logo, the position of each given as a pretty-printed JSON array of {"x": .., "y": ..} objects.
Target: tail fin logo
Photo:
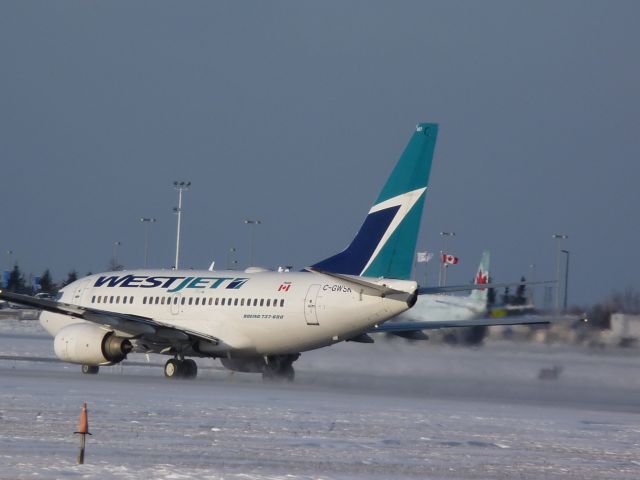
[
  {"x": 482, "y": 278},
  {"x": 401, "y": 205}
]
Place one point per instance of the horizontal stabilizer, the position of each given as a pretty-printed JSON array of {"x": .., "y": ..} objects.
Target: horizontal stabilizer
[{"x": 367, "y": 288}]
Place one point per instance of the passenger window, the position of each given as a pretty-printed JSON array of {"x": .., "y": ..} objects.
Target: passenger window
[
  {"x": 275, "y": 302},
  {"x": 157, "y": 300},
  {"x": 268, "y": 302},
  {"x": 118, "y": 299},
  {"x": 111, "y": 299},
  {"x": 144, "y": 300},
  {"x": 255, "y": 302},
  {"x": 198, "y": 301},
  {"x": 216, "y": 300},
  {"x": 282, "y": 302},
  {"x": 222, "y": 301},
  {"x": 190, "y": 300},
  {"x": 131, "y": 299},
  {"x": 235, "y": 302},
  {"x": 93, "y": 299},
  {"x": 162, "y": 301},
  {"x": 242, "y": 302},
  {"x": 182, "y": 300},
  {"x": 262, "y": 302}
]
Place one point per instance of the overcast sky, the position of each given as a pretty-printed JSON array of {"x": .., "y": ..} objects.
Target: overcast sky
[{"x": 294, "y": 113}]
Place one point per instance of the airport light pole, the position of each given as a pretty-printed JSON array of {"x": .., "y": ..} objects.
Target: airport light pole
[
  {"x": 442, "y": 280},
  {"x": 558, "y": 237},
  {"x": 231, "y": 261},
  {"x": 253, "y": 224},
  {"x": 180, "y": 186},
  {"x": 566, "y": 279},
  {"x": 146, "y": 222},
  {"x": 532, "y": 278},
  {"x": 116, "y": 264}
]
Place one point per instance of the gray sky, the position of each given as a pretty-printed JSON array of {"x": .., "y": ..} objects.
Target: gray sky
[{"x": 295, "y": 113}]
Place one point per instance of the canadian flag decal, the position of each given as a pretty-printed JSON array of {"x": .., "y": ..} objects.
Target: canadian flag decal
[{"x": 284, "y": 287}]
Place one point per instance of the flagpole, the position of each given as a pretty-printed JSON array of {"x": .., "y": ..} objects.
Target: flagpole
[{"x": 426, "y": 264}]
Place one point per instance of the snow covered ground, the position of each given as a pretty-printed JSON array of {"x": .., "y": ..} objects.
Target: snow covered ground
[{"x": 389, "y": 410}]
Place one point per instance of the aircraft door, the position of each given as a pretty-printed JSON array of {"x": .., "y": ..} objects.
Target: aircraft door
[
  {"x": 77, "y": 293},
  {"x": 310, "y": 305},
  {"x": 175, "y": 303}
]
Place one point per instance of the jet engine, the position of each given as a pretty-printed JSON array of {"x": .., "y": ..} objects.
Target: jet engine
[{"x": 89, "y": 344}]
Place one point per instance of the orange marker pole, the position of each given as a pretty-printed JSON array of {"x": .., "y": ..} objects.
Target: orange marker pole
[{"x": 83, "y": 431}]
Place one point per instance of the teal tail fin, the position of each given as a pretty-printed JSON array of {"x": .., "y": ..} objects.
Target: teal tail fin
[{"x": 386, "y": 242}]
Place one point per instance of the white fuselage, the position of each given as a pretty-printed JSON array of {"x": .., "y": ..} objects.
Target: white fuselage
[{"x": 261, "y": 313}]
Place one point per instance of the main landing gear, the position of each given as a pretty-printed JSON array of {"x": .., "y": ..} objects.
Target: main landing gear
[
  {"x": 176, "y": 368},
  {"x": 279, "y": 368},
  {"x": 90, "y": 369}
]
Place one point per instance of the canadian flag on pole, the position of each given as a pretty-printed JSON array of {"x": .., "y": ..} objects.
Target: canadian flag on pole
[{"x": 449, "y": 259}]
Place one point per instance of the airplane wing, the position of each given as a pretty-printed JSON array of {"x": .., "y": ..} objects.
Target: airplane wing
[
  {"x": 393, "y": 327},
  {"x": 133, "y": 325}
]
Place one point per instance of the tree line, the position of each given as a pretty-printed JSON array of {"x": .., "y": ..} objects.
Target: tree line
[{"x": 17, "y": 283}]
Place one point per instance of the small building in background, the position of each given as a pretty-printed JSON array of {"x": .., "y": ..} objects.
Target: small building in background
[{"x": 625, "y": 330}]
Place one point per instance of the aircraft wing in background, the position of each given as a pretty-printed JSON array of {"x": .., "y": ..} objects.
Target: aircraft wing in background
[
  {"x": 475, "y": 286},
  {"x": 395, "y": 327}
]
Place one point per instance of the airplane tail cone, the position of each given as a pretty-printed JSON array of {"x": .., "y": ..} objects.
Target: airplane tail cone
[{"x": 83, "y": 423}]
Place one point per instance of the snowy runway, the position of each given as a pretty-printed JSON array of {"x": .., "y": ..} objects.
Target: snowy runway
[{"x": 388, "y": 410}]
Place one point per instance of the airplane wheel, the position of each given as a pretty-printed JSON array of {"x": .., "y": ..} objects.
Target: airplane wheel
[
  {"x": 90, "y": 369},
  {"x": 172, "y": 369},
  {"x": 190, "y": 368}
]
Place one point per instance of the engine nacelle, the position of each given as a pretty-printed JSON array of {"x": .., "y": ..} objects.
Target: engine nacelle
[{"x": 90, "y": 345}]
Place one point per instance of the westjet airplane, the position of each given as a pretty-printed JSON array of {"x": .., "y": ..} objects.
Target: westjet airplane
[{"x": 255, "y": 321}]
